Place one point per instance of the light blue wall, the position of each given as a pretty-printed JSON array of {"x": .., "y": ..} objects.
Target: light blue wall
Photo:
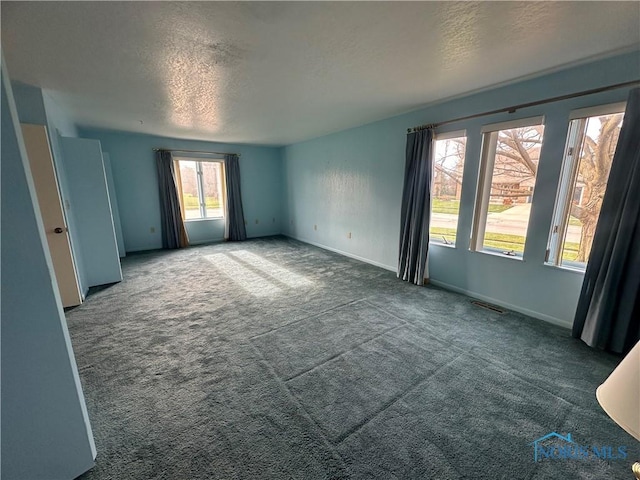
[
  {"x": 135, "y": 178},
  {"x": 45, "y": 428},
  {"x": 88, "y": 186},
  {"x": 351, "y": 181},
  {"x": 205, "y": 231},
  {"x": 29, "y": 103}
]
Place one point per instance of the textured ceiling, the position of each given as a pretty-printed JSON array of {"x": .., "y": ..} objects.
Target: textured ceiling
[{"x": 280, "y": 72}]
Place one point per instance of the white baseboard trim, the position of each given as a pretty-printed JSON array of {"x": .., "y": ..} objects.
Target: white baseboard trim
[
  {"x": 531, "y": 313},
  {"x": 206, "y": 242},
  {"x": 346, "y": 254},
  {"x": 221, "y": 239},
  {"x": 265, "y": 234}
]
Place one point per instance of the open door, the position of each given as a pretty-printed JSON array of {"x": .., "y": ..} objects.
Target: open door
[{"x": 45, "y": 180}]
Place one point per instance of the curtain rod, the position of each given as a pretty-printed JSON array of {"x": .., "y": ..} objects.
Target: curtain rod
[
  {"x": 195, "y": 151},
  {"x": 513, "y": 108}
]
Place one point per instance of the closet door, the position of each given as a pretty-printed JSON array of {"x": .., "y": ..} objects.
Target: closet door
[
  {"x": 46, "y": 183},
  {"x": 89, "y": 193},
  {"x": 113, "y": 200}
]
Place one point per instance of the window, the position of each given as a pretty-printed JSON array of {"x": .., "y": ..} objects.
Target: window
[
  {"x": 200, "y": 184},
  {"x": 448, "y": 165},
  {"x": 591, "y": 142},
  {"x": 509, "y": 164}
]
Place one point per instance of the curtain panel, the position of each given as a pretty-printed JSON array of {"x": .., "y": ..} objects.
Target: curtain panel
[
  {"x": 416, "y": 207},
  {"x": 608, "y": 313},
  {"x": 174, "y": 233},
  {"x": 234, "y": 216}
]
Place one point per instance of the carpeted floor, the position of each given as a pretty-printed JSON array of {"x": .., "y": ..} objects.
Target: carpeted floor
[{"x": 278, "y": 360}]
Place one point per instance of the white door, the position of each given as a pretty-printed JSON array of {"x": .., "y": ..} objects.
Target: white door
[{"x": 44, "y": 178}]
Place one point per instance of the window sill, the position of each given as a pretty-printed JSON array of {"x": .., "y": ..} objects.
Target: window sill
[
  {"x": 440, "y": 244},
  {"x": 498, "y": 254},
  {"x": 566, "y": 268},
  {"x": 189, "y": 220}
]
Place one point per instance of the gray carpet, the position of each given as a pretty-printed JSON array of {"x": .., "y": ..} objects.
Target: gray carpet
[{"x": 275, "y": 359}]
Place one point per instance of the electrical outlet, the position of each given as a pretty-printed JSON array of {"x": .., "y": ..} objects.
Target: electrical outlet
[
  {"x": 152, "y": 229},
  {"x": 315, "y": 227},
  {"x": 349, "y": 235}
]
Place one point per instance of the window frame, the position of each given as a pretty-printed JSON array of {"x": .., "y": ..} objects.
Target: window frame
[
  {"x": 567, "y": 179},
  {"x": 446, "y": 136},
  {"x": 485, "y": 179},
  {"x": 199, "y": 160}
]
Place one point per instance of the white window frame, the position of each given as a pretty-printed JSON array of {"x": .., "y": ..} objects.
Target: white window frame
[
  {"x": 446, "y": 136},
  {"x": 202, "y": 202},
  {"x": 568, "y": 177},
  {"x": 485, "y": 176}
]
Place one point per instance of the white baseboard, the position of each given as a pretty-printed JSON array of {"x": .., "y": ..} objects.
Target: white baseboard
[
  {"x": 515, "y": 308},
  {"x": 453, "y": 288},
  {"x": 206, "y": 242},
  {"x": 265, "y": 234},
  {"x": 346, "y": 254},
  {"x": 221, "y": 239}
]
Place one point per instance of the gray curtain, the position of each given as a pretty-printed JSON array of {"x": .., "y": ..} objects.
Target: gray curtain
[
  {"x": 174, "y": 234},
  {"x": 416, "y": 207},
  {"x": 235, "y": 216},
  {"x": 608, "y": 313}
]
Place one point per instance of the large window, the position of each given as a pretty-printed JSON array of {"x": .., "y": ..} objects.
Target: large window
[
  {"x": 448, "y": 166},
  {"x": 591, "y": 142},
  {"x": 509, "y": 164},
  {"x": 201, "y": 188}
]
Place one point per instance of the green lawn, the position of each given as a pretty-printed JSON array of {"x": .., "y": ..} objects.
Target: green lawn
[
  {"x": 501, "y": 241},
  {"x": 495, "y": 240},
  {"x": 452, "y": 206},
  {"x": 191, "y": 202}
]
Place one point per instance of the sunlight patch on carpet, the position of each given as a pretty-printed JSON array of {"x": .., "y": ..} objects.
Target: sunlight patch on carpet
[
  {"x": 250, "y": 281},
  {"x": 279, "y": 273}
]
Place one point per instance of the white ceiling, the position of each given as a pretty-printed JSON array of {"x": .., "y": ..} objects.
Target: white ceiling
[{"x": 280, "y": 72}]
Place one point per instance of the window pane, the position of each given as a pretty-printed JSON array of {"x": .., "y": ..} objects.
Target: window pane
[
  {"x": 517, "y": 152},
  {"x": 597, "y": 144},
  {"x": 189, "y": 179},
  {"x": 212, "y": 183},
  {"x": 448, "y": 165}
]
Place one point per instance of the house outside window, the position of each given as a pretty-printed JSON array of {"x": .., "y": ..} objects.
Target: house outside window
[
  {"x": 200, "y": 184},
  {"x": 508, "y": 170},
  {"x": 589, "y": 150}
]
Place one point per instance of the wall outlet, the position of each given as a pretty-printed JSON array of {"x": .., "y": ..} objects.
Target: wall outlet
[
  {"x": 315, "y": 227},
  {"x": 349, "y": 235},
  {"x": 152, "y": 229}
]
